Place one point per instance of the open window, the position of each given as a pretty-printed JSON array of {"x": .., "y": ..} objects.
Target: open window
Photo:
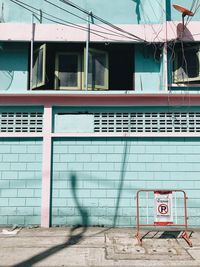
[
  {"x": 62, "y": 66},
  {"x": 97, "y": 69},
  {"x": 187, "y": 64},
  {"x": 39, "y": 66},
  {"x": 67, "y": 71}
]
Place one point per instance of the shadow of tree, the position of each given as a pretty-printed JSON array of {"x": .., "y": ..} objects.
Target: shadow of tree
[
  {"x": 74, "y": 237},
  {"x": 137, "y": 10},
  {"x": 83, "y": 212},
  {"x": 121, "y": 182},
  {"x": 72, "y": 240}
]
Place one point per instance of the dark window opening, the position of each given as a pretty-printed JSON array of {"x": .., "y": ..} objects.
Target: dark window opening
[
  {"x": 186, "y": 63},
  {"x": 62, "y": 66}
]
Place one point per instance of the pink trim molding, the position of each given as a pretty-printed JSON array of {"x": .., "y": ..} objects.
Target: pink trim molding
[
  {"x": 164, "y": 99},
  {"x": 46, "y": 167}
]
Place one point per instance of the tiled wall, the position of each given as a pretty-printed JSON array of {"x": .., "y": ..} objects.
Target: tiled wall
[
  {"x": 20, "y": 181},
  {"x": 95, "y": 180}
]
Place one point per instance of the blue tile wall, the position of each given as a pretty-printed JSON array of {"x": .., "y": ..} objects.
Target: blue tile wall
[
  {"x": 95, "y": 179},
  {"x": 20, "y": 181}
]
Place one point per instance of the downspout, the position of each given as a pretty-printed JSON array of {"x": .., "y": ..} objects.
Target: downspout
[
  {"x": 31, "y": 56},
  {"x": 165, "y": 61},
  {"x": 87, "y": 52}
]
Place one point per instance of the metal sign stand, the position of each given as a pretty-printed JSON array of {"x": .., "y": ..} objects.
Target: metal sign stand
[{"x": 163, "y": 212}]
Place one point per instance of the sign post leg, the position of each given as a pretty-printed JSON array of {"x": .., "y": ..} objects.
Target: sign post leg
[{"x": 186, "y": 237}]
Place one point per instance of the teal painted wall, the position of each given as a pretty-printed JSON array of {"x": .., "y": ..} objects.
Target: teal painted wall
[
  {"x": 116, "y": 11},
  {"x": 148, "y": 70},
  {"x": 13, "y": 67},
  {"x": 127, "y": 11},
  {"x": 176, "y": 16},
  {"x": 20, "y": 181},
  {"x": 95, "y": 179}
]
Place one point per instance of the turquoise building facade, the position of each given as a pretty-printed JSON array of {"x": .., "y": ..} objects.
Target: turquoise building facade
[{"x": 98, "y": 99}]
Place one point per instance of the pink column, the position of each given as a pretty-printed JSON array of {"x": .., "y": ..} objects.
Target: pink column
[{"x": 46, "y": 167}]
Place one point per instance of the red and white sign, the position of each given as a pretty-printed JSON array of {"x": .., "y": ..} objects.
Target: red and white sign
[{"x": 163, "y": 208}]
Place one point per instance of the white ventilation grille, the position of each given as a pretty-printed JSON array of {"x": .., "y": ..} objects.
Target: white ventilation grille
[
  {"x": 170, "y": 122},
  {"x": 21, "y": 122}
]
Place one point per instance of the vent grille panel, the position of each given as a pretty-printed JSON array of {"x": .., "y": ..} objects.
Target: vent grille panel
[
  {"x": 21, "y": 122},
  {"x": 164, "y": 122}
]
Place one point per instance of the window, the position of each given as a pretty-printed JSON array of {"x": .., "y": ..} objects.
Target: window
[
  {"x": 97, "y": 69},
  {"x": 39, "y": 66},
  {"x": 62, "y": 66},
  {"x": 187, "y": 64},
  {"x": 67, "y": 71}
]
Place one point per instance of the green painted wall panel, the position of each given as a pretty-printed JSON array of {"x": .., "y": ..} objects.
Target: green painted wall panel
[
  {"x": 20, "y": 184},
  {"x": 116, "y": 11},
  {"x": 129, "y": 11},
  {"x": 14, "y": 67},
  {"x": 148, "y": 70},
  {"x": 100, "y": 188}
]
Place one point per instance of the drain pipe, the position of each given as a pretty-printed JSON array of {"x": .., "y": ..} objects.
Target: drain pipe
[
  {"x": 31, "y": 56},
  {"x": 165, "y": 52},
  {"x": 87, "y": 52}
]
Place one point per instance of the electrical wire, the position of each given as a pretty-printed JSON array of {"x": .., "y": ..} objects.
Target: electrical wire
[
  {"x": 100, "y": 19},
  {"x": 63, "y": 22},
  {"x": 192, "y": 6},
  {"x": 166, "y": 13},
  {"x": 67, "y": 23},
  {"x": 195, "y": 11},
  {"x": 111, "y": 32}
]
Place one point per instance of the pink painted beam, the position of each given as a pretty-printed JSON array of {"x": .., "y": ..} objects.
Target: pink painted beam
[
  {"x": 46, "y": 167},
  {"x": 126, "y": 134},
  {"x": 164, "y": 99},
  {"x": 61, "y": 33},
  {"x": 19, "y": 135}
]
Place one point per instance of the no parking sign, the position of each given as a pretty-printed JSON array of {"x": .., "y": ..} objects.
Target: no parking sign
[{"x": 163, "y": 214}]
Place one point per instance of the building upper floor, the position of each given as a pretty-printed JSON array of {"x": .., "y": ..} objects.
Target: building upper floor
[
  {"x": 132, "y": 46},
  {"x": 113, "y": 11}
]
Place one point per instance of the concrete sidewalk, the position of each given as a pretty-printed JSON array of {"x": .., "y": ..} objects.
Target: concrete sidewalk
[{"x": 96, "y": 247}]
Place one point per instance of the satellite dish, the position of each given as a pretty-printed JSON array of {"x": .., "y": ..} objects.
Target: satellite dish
[{"x": 183, "y": 10}]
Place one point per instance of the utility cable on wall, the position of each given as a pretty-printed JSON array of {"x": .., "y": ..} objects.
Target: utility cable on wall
[
  {"x": 111, "y": 32},
  {"x": 100, "y": 19},
  {"x": 64, "y": 22},
  {"x": 32, "y": 9}
]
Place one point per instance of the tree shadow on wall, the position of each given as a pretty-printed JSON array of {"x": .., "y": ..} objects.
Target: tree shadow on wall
[
  {"x": 137, "y": 10},
  {"x": 121, "y": 181},
  {"x": 75, "y": 236},
  {"x": 167, "y": 11},
  {"x": 83, "y": 212}
]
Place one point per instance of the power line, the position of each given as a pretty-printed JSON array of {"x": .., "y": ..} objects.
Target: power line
[
  {"x": 97, "y": 25},
  {"x": 66, "y": 23},
  {"x": 195, "y": 11},
  {"x": 99, "y": 19},
  {"x": 114, "y": 33},
  {"x": 63, "y": 22}
]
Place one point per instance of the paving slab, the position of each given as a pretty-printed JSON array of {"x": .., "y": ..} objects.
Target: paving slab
[{"x": 96, "y": 247}]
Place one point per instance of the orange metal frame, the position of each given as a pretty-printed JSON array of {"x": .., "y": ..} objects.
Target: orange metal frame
[{"x": 185, "y": 225}]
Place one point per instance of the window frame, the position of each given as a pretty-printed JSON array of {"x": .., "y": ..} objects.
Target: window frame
[
  {"x": 36, "y": 85},
  {"x": 56, "y": 73},
  {"x": 179, "y": 81},
  {"x": 106, "y": 74}
]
